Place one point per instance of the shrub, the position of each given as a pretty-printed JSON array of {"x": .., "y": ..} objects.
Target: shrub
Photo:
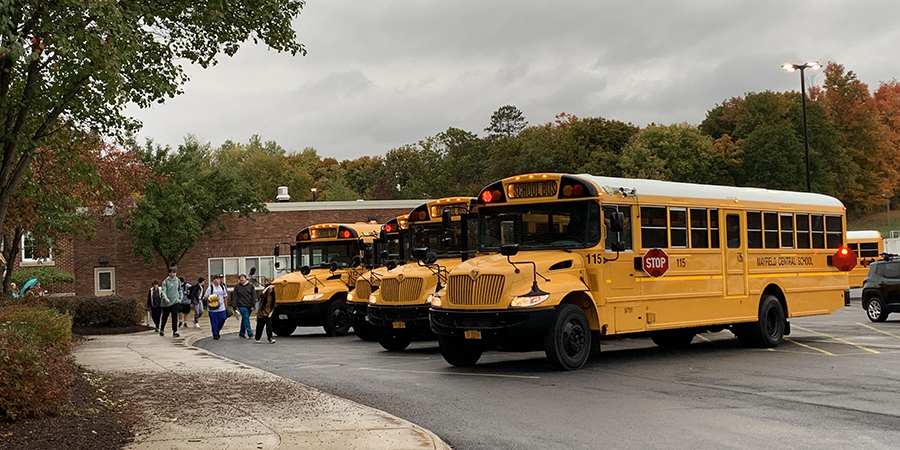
[
  {"x": 109, "y": 311},
  {"x": 45, "y": 327},
  {"x": 48, "y": 275},
  {"x": 37, "y": 378}
]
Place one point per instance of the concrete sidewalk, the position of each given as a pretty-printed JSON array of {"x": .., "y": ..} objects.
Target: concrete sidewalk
[{"x": 264, "y": 411}]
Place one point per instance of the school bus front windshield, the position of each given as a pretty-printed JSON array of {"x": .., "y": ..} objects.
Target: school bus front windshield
[
  {"x": 431, "y": 235},
  {"x": 539, "y": 226},
  {"x": 322, "y": 254}
]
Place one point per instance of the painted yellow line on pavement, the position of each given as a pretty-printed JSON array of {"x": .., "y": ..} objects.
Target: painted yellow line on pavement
[
  {"x": 876, "y": 329},
  {"x": 839, "y": 340},
  {"x": 451, "y": 373},
  {"x": 809, "y": 347}
]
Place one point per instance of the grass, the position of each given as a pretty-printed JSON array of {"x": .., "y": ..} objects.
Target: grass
[{"x": 877, "y": 221}]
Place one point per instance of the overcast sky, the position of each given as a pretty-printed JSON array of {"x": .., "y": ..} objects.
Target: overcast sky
[{"x": 384, "y": 73}]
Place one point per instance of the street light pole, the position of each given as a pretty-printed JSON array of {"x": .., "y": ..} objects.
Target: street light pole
[
  {"x": 801, "y": 67},
  {"x": 313, "y": 190},
  {"x": 887, "y": 199}
]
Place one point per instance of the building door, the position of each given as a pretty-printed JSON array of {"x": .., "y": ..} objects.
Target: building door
[
  {"x": 735, "y": 253},
  {"x": 104, "y": 281}
]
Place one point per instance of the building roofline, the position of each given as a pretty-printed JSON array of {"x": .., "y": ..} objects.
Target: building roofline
[{"x": 344, "y": 206}]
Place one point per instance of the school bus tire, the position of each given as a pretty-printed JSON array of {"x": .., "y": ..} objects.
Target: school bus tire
[
  {"x": 394, "y": 342},
  {"x": 459, "y": 352},
  {"x": 365, "y": 330},
  {"x": 678, "y": 338},
  {"x": 568, "y": 343},
  {"x": 768, "y": 331},
  {"x": 875, "y": 310},
  {"x": 283, "y": 328},
  {"x": 337, "y": 318}
]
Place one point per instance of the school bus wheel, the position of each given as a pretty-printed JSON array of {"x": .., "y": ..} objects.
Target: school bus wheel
[
  {"x": 768, "y": 331},
  {"x": 365, "y": 331},
  {"x": 680, "y": 338},
  {"x": 337, "y": 318},
  {"x": 283, "y": 328},
  {"x": 568, "y": 343},
  {"x": 460, "y": 352},
  {"x": 394, "y": 342}
]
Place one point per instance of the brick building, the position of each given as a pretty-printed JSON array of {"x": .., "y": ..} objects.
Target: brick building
[{"x": 106, "y": 265}]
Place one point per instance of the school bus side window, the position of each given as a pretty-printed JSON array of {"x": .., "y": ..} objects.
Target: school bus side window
[
  {"x": 754, "y": 229},
  {"x": 770, "y": 224},
  {"x": 787, "y": 230},
  {"x": 733, "y": 230},
  {"x": 803, "y": 240},
  {"x": 626, "y": 235},
  {"x": 818, "y": 230},
  {"x": 699, "y": 228},
  {"x": 834, "y": 232},
  {"x": 654, "y": 227}
]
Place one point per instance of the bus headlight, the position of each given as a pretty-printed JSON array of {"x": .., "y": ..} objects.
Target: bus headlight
[
  {"x": 530, "y": 300},
  {"x": 350, "y": 296},
  {"x": 310, "y": 297},
  {"x": 435, "y": 300},
  {"x": 372, "y": 299}
]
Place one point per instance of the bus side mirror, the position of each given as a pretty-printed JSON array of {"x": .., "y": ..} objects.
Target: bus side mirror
[
  {"x": 430, "y": 258},
  {"x": 446, "y": 218},
  {"x": 305, "y": 270},
  {"x": 276, "y": 252},
  {"x": 334, "y": 266},
  {"x": 419, "y": 253},
  {"x": 391, "y": 265},
  {"x": 252, "y": 271},
  {"x": 446, "y": 242},
  {"x": 385, "y": 255},
  {"x": 617, "y": 222},
  {"x": 382, "y": 236},
  {"x": 618, "y": 246},
  {"x": 355, "y": 261},
  {"x": 278, "y": 264},
  {"x": 509, "y": 249}
]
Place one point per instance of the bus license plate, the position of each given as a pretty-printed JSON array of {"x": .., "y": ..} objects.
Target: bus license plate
[
  {"x": 473, "y": 334},
  {"x": 399, "y": 324}
]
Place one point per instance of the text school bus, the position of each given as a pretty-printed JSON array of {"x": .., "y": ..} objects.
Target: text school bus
[
  {"x": 390, "y": 247},
  {"x": 398, "y": 310},
  {"x": 326, "y": 260},
  {"x": 580, "y": 256},
  {"x": 868, "y": 246}
]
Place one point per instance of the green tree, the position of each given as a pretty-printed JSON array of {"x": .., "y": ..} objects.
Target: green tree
[
  {"x": 507, "y": 121},
  {"x": 677, "y": 152},
  {"x": 74, "y": 64},
  {"x": 265, "y": 166},
  {"x": 186, "y": 202}
]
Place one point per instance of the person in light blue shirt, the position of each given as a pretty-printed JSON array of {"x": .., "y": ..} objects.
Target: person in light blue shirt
[{"x": 171, "y": 301}]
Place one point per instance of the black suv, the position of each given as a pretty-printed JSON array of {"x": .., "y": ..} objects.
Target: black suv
[{"x": 881, "y": 288}]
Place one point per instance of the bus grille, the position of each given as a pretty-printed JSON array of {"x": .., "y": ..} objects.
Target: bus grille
[
  {"x": 393, "y": 291},
  {"x": 362, "y": 291},
  {"x": 482, "y": 291},
  {"x": 287, "y": 292}
]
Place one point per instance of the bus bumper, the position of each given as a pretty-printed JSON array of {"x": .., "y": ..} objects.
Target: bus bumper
[
  {"x": 358, "y": 310},
  {"x": 492, "y": 324},
  {"x": 413, "y": 317},
  {"x": 302, "y": 313}
]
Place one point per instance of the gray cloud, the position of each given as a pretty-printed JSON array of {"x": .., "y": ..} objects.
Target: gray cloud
[{"x": 382, "y": 74}]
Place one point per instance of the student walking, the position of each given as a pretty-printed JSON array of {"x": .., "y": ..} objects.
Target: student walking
[
  {"x": 216, "y": 296},
  {"x": 171, "y": 302},
  {"x": 244, "y": 297},
  {"x": 195, "y": 293},
  {"x": 154, "y": 299},
  {"x": 185, "y": 307},
  {"x": 264, "y": 314}
]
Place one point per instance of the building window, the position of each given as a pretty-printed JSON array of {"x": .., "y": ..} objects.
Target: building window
[
  {"x": 232, "y": 267},
  {"x": 33, "y": 253}
]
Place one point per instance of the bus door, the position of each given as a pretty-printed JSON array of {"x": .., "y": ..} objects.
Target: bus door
[
  {"x": 735, "y": 249},
  {"x": 617, "y": 278}
]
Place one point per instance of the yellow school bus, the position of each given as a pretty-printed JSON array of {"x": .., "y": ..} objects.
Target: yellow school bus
[
  {"x": 390, "y": 247},
  {"x": 326, "y": 261},
  {"x": 583, "y": 256},
  {"x": 398, "y": 310},
  {"x": 868, "y": 246}
]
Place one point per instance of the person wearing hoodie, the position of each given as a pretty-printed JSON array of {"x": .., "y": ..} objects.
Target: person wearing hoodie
[{"x": 171, "y": 301}]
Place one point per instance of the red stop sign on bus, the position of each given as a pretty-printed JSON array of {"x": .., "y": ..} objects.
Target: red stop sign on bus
[{"x": 655, "y": 262}]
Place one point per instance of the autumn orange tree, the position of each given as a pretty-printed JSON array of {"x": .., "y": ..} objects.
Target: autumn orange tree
[{"x": 73, "y": 180}]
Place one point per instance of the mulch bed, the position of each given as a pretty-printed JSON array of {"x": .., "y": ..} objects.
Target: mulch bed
[{"x": 95, "y": 421}]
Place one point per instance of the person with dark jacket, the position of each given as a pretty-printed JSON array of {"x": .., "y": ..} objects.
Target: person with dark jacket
[
  {"x": 264, "y": 314},
  {"x": 154, "y": 297},
  {"x": 194, "y": 294},
  {"x": 244, "y": 297}
]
